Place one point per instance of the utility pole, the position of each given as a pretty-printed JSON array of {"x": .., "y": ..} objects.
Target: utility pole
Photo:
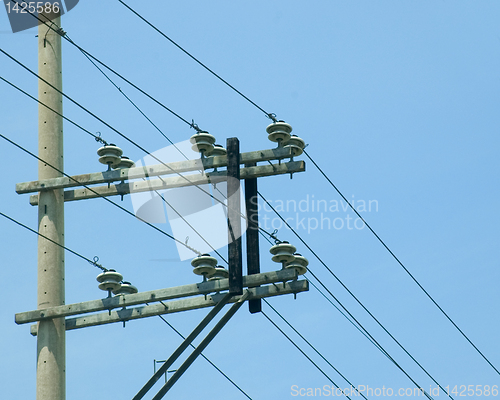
[
  {"x": 222, "y": 287},
  {"x": 51, "y": 339}
]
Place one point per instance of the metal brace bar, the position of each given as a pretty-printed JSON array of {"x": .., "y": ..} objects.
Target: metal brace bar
[
  {"x": 184, "y": 345},
  {"x": 217, "y": 328}
]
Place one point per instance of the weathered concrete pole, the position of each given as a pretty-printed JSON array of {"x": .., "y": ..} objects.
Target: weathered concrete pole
[{"x": 51, "y": 339}]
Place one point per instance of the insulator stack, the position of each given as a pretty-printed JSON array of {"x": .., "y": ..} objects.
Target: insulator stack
[
  {"x": 110, "y": 280},
  {"x": 296, "y": 145},
  {"x": 300, "y": 264},
  {"x": 203, "y": 142},
  {"x": 219, "y": 273},
  {"x": 282, "y": 252},
  {"x": 110, "y": 155},
  {"x": 204, "y": 265},
  {"x": 125, "y": 162},
  {"x": 125, "y": 288},
  {"x": 279, "y": 132},
  {"x": 218, "y": 150}
]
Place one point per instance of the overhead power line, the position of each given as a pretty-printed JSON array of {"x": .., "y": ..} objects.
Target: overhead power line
[
  {"x": 358, "y": 301},
  {"x": 303, "y": 352},
  {"x": 268, "y": 115},
  {"x": 93, "y": 262},
  {"x": 369, "y": 227},
  {"x": 314, "y": 348},
  {"x": 210, "y": 362},
  {"x": 99, "y": 195},
  {"x": 401, "y": 264}
]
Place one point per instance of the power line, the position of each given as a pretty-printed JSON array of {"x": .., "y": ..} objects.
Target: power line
[
  {"x": 113, "y": 129},
  {"x": 93, "y": 262},
  {"x": 400, "y": 263},
  {"x": 314, "y": 348},
  {"x": 268, "y": 115},
  {"x": 346, "y": 317},
  {"x": 369, "y": 227},
  {"x": 99, "y": 195},
  {"x": 94, "y": 136},
  {"x": 217, "y": 368},
  {"x": 303, "y": 353},
  {"x": 358, "y": 301},
  {"x": 97, "y": 138},
  {"x": 130, "y": 100},
  {"x": 63, "y": 34}
]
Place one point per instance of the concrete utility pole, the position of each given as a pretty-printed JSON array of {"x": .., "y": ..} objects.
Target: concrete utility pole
[{"x": 51, "y": 342}]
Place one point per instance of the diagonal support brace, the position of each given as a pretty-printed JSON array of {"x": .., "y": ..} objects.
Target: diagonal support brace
[
  {"x": 184, "y": 345},
  {"x": 205, "y": 342}
]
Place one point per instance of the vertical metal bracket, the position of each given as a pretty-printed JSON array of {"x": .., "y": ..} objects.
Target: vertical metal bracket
[
  {"x": 234, "y": 217},
  {"x": 252, "y": 234}
]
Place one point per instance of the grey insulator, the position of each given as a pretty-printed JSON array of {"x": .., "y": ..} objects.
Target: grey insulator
[
  {"x": 125, "y": 162},
  {"x": 125, "y": 288},
  {"x": 204, "y": 265},
  {"x": 109, "y": 280},
  {"x": 300, "y": 264},
  {"x": 296, "y": 144},
  {"x": 203, "y": 142},
  {"x": 282, "y": 252},
  {"x": 218, "y": 150},
  {"x": 219, "y": 273},
  {"x": 110, "y": 155},
  {"x": 279, "y": 132}
]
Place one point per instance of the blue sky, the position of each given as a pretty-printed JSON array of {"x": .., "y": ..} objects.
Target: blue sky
[{"x": 398, "y": 101}]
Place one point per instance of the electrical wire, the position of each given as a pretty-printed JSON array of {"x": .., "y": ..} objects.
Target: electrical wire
[
  {"x": 359, "y": 302},
  {"x": 268, "y": 115},
  {"x": 314, "y": 348},
  {"x": 131, "y": 101},
  {"x": 369, "y": 227},
  {"x": 217, "y": 368},
  {"x": 401, "y": 264},
  {"x": 97, "y": 138},
  {"x": 99, "y": 195},
  {"x": 63, "y": 34},
  {"x": 303, "y": 353},
  {"x": 345, "y": 316},
  {"x": 115, "y": 130},
  {"x": 93, "y": 262}
]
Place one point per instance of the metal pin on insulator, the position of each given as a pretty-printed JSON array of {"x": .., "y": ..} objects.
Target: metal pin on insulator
[
  {"x": 300, "y": 264},
  {"x": 279, "y": 132},
  {"x": 110, "y": 155},
  {"x": 282, "y": 252},
  {"x": 203, "y": 142}
]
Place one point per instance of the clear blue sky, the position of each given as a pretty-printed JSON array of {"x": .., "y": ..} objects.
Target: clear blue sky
[{"x": 398, "y": 101}]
